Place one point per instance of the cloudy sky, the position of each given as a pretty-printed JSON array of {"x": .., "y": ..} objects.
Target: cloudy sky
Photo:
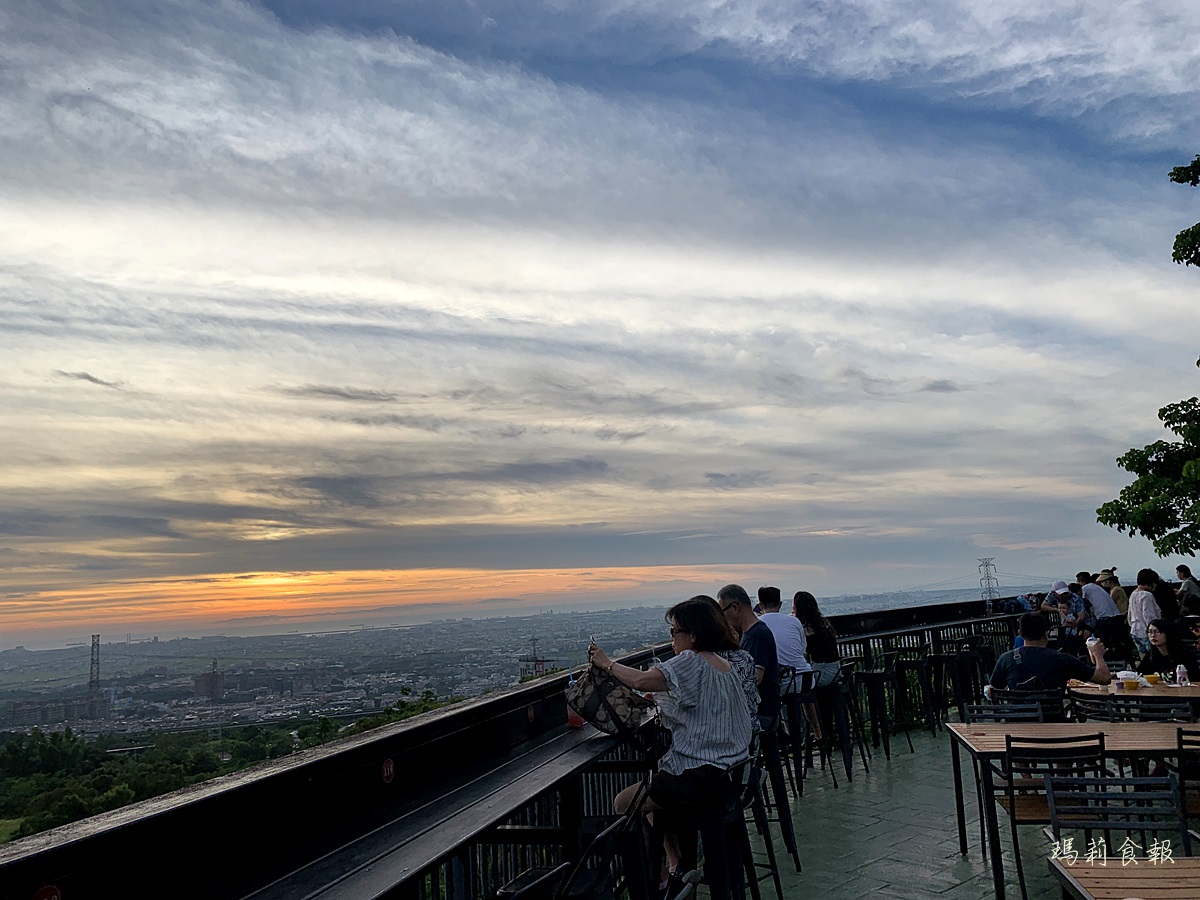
[{"x": 319, "y": 312}]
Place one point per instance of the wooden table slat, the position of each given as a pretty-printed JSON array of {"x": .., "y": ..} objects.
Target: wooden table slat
[
  {"x": 1178, "y": 880},
  {"x": 986, "y": 739},
  {"x": 1154, "y": 692}
]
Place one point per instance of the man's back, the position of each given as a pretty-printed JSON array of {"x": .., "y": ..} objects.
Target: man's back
[
  {"x": 791, "y": 644},
  {"x": 758, "y": 641},
  {"x": 1103, "y": 605},
  {"x": 1038, "y": 668}
]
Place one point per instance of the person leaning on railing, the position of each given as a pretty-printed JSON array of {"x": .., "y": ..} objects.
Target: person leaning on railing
[
  {"x": 707, "y": 699},
  {"x": 1034, "y": 666}
]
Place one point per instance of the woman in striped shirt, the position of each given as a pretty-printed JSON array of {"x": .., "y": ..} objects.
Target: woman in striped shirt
[{"x": 707, "y": 698}]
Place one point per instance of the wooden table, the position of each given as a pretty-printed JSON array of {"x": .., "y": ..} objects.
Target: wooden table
[
  {"x": 985, "y": 743},
  {"x": 1178, "y": 880},
  {"x": 1189, "y": 693}
]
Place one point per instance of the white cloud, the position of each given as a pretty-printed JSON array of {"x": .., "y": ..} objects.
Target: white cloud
[{"x": 289, "y": 289}]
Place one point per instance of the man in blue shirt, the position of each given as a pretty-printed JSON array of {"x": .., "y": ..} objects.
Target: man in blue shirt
[{"x": 758, "y": 641}]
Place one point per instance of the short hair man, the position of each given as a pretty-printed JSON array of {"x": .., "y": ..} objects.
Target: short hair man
[
  {"x": 791, "y": 643},
  {"x": 758, "y": 641},
  {"x": 1035, "y": 666}
]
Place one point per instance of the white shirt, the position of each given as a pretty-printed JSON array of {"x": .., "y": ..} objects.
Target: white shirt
[
  {"x": 1142, "y": 608},
  {"x": 791, "y": 643},
  {"x": 1102, "y": 603}
]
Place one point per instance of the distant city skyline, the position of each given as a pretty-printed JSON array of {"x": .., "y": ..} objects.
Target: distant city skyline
[{"x": 317, "y": 311}]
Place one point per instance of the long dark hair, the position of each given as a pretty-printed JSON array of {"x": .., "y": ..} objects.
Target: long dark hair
[
  {"x": 1177, "y": 648},
  {"x": 804, "y": 608},
  {"x": 702, "y": 618}
]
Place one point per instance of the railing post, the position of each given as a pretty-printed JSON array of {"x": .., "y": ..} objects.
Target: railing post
[{"x": 459, "y": 876}]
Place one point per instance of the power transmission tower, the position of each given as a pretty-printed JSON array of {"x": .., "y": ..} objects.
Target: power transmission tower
[
  {"x": 988, "y": 582},
  {"x": 94, "y": 677}
]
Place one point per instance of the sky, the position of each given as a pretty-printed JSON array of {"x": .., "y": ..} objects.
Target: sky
[{"x": 327, "y": 313}]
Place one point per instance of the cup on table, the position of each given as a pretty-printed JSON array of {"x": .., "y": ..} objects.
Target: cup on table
[
  {"x": 1152, "y": 678},
  {"x": 1131, "y": 684}
]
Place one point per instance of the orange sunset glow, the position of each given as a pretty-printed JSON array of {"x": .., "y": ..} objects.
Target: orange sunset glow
[{"x": 318, "y": 600}]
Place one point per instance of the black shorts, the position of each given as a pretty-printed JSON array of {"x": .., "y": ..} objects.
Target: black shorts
[{"x": 704, "y": 787}]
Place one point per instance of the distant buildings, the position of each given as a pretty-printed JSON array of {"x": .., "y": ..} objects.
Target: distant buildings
[{"x": 53, "y": 712}]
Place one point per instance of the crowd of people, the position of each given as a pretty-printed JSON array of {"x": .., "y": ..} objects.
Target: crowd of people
[
  {"x": 735, "y": 663},
  {"x": 720, "y": 694},
  {"x": 1155, "y": 629}
]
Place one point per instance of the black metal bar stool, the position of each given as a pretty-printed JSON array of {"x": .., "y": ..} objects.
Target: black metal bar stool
[
  {"x": 914, "y": 667},
  {"x": 877, "y": 683},
  {"x": 946, "y": 678},
  {"x": 771, "y": 759},
  {"x": 848, "y": 720},
  {"x": 796, "y": 690}
]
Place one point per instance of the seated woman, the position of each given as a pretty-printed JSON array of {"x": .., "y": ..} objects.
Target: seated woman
[
  {"x": 1168, "y": 649},
  {"x": 707, "y": 699},
  {"x": 822, "y": 648}
]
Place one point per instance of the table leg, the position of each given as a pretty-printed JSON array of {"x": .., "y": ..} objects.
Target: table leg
[
  {"x": 993, "y": 829},
  {"x": 958, "y": 797}
]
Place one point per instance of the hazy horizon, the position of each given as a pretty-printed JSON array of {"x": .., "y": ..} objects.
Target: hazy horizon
[{"x": 425, "y": 613}]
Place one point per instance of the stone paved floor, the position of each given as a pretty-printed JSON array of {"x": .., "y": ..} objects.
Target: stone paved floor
[{"x": 891, "y": 833}]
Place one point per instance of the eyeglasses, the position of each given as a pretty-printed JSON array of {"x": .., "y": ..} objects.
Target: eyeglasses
[
  {"x": 675, "y": 631},
  {"x": 725, "y": 609}
]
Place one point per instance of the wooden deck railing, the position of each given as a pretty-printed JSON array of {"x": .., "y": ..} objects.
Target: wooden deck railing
[{"x": 446, "y": 806}]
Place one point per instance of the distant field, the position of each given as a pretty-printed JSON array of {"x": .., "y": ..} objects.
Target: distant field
[{"x": 8, "y": 829}]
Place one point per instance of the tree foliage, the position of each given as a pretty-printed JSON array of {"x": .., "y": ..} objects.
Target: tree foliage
[
  {"x": 52, "y": 779},
  {"x": 1163, "y": 503},
  {"x": 1187, "y": 243}
]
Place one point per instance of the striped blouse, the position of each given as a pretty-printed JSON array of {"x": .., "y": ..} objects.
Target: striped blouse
[{"x": 710, "y": 714}]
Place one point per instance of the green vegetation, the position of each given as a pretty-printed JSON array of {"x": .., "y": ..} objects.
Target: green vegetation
[
  {"x": 1163, "y": 503},
  {"x": 48, "y": 780},
  {"x": 1187, "y": 242}
]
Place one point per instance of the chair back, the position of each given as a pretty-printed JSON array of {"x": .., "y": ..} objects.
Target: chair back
[
  {"x": 1091, "y": 707},
  {"x": 544, "y": 887},
  {"x": 1137, "y": 709},
  {"x": 1187, "y": 752},
  {"x": 793, "y": 682},
  {"x": 1119, "y": 808},
  {"x": 1003, "y": 712},
  {"x": 1028, "y": 760},
  {"x": 594, "y": 875},
  {"x": 1188, "y": 744},
  {"x": 1073, "y": 756},
  {"x": 1052, "y": 702}
]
